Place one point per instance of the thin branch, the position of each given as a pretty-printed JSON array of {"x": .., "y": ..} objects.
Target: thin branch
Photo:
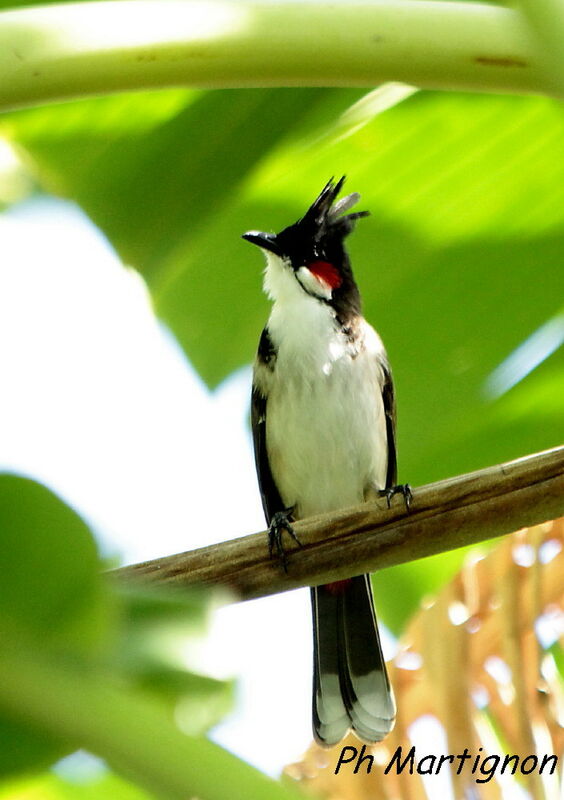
[
  {"x": 443, "y": 516},
  {"x": 58, "y": 52}
]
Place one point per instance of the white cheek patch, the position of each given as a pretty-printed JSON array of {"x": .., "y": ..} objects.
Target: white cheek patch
[
  {"x": 279, "y": 281},
  {"x": 313, "y": 284}
]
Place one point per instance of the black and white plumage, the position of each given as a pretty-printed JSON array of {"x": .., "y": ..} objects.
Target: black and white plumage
[{"x": 323, "y": 418}]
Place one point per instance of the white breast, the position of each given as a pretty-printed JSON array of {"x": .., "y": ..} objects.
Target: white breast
[{"x": 326, "y": 430}]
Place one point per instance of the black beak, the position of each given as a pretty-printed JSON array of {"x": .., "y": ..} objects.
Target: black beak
[{"x": 265, "y": 240}]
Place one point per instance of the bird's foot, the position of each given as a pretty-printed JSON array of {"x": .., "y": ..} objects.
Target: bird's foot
[
  {"x": 280, "y": 522},
  {"x": 403, "y": 488}
]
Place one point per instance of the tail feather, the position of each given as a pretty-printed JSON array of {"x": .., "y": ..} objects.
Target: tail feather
[
  {"x": 330, "y": 718},
  {"x": 350, "y": 687}
]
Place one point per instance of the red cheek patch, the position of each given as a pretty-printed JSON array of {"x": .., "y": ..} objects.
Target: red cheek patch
[{"x": 326, "y": 272}]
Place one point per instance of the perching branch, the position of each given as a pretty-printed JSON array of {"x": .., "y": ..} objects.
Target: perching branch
[
  {"x": 58, "y": 52},
  {"x": 445, "y": 515}
]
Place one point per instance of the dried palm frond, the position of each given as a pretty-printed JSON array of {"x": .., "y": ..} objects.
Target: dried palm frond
[{"x": 476, "y": 671}]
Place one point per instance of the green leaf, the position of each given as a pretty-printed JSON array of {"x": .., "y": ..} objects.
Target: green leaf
[
  {"x": 50, "y": 590},
  {"x": 197, "y": 702},
  {"x": 24, "y": 748},
  {"x": 125, "y": 727},
  {"x": 104, "y": 786},
  {"x": 65, "y": 660},
  {"x": 399, "y": 591},
  {"x": 153, "y": 169},
  {"x": 161, "y": 627},
  {"x": 51, "y": 584},
  {"x": 159, "y": 173},
  {"x": 53, "y": 787},
  {"x": 557, "y": 652}
]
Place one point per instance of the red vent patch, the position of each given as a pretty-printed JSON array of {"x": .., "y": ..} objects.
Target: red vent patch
[
  {"x": 326, "y": 272},
  {"x": 338, "y": 587}
]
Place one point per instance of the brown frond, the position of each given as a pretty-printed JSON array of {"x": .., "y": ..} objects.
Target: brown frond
[{"x": 484, "y": 675}]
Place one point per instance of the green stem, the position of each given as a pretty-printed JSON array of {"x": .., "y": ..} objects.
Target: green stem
[
  {"x": 59, "y": 52},
  {"x": 131, "y": 732},
  {"x": 546, "y": 21}
]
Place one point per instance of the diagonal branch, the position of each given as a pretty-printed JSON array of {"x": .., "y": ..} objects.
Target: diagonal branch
[{"x": 445, "y": 515}]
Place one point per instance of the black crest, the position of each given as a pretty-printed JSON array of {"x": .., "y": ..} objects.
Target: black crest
[
  {"x": 320, "y": 233},
  {"x": 325, "y": 217}
]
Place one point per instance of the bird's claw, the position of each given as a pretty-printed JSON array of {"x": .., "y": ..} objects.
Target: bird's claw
[
  {"x": 279, "y": 523},
  {"x": 403, "y": 488}
]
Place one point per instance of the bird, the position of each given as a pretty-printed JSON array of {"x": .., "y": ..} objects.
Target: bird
[{"x": 323, "y": 418}]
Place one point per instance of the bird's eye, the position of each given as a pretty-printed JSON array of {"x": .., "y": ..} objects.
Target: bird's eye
[{"x": 326, "y": 272}]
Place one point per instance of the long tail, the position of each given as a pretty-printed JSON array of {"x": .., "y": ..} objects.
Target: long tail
[{"x": 351, "y": 688}]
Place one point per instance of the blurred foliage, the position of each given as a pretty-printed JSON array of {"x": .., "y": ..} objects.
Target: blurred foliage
[
  {"x": 86, "y": 663},
  {"x": 472, "y": 668},
  {"x": 459, "y": 264},
  {"x": 45, "y": 545},
  {"x": 102, "y": 785},
  {"x": 7, "y": 4},
  {"x": 50, "y": 589}
]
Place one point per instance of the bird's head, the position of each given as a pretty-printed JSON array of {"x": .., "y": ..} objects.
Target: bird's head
[{"x": 310, "y": 254}]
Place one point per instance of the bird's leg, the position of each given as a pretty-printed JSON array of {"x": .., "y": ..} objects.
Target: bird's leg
[
  {"x": 280, "y": 522},
  {"x": 403, "y": 489}
]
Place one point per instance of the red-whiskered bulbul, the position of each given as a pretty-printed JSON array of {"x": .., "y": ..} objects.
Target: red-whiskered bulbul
[{"x": 323, "y": 419}]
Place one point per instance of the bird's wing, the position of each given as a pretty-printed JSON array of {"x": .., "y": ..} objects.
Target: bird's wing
[
  {"x": 389, "y": 400},
  {"x": 271, "y": 500}
]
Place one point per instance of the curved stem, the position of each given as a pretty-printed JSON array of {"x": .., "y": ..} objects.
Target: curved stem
[
  {"x": 546, "y": 21},
  {"x": 59, "y": 52}
]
